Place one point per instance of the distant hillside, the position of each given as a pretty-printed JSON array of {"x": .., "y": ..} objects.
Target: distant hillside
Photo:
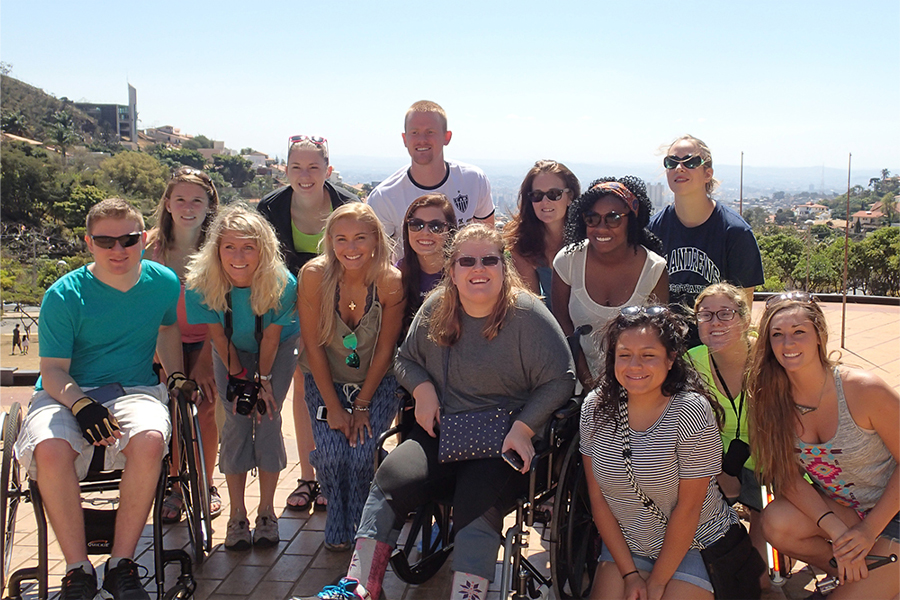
[{"x": 36, "y": 108}]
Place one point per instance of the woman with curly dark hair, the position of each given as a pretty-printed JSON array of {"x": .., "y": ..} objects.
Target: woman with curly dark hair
[
  {"x": 535, "y": 233},
  {"x": 610, "y": 260},
  {"x": 651, "y": 447}
]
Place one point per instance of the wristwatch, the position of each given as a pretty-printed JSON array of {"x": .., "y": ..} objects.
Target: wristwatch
[{"x": 265, "y": 377}]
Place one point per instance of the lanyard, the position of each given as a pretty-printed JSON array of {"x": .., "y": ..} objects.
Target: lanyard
[{"x": 740, "y": 407}]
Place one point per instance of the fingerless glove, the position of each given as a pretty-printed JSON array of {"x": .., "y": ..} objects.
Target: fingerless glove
[{"x": 94, "y": 419}]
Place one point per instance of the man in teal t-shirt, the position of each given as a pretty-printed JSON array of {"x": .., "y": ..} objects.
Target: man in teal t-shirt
[{"x": 99, "y": 328}]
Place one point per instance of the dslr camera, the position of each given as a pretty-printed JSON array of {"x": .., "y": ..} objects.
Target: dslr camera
[{"x": 246, "y": 393}]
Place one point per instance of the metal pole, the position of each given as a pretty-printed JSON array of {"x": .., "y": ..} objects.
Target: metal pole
[
  {"x": 741, "y": 194},
  {"x": 846, "y": 254}
]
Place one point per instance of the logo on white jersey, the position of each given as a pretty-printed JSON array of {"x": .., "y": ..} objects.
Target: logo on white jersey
[{"x": 461, "y": 202}]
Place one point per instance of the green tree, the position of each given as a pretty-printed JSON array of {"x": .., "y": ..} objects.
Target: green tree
[
  {"x": 62, "y": 132},
  {"x": 27, "y": 174},
  {"x": 781, "y": 252},
  {"x": 174, "y": 158},
  {"x": 881, "y": 250},
  {"x": 136, "y": 174},
  {"x": 72, "y": 210},
  {"x": 889, "y": 206},
  {"x": 236, "y": 170},
  {"x": 197, "y": 142},
  {"x": 15, "y": 122},
  {"x": 755, "y": 216}
]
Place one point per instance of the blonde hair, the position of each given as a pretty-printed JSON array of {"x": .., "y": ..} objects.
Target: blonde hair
[
  {"x": 320, "y": 149},
  {"x": 426, "y": 106},
  {"x": 773, "y": 416},
  {"x": 705, "y": 152},
  {"x": 113, "y": 208},
  {"x": 333, "y": 270},
  {"x": 161, "y": 237},
  {"x": 445, "y": 322},
  {"x": 732, "y": 293},
  {"x": 206, "y": 276}
]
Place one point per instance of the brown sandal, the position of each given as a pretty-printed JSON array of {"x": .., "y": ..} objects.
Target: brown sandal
[
  {"x": 172, "y": 507},
  {"x": 305, "y": 494}
]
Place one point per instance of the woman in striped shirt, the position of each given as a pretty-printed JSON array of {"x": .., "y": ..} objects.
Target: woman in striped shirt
[{"x": 652, "y": 449}]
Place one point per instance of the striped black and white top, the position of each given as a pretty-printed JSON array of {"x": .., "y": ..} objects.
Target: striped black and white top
[{"x": 684, "y": 443}]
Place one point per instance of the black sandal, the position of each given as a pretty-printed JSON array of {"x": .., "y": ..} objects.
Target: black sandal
[{"x": 307, "y": 492}]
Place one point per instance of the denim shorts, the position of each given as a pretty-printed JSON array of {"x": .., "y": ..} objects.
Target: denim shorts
[
  {"x": 691, "y": 570},
  {"x": 892, "y": 531}
]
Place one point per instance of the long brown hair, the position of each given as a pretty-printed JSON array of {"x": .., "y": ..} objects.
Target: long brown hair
[
  {"x": 162, "y": 238},
  {"x": 525, "y": 232},
  {"x": 409, "y": 266},
  {"x": 772, "y": 419},
  {"x": 445, "y": 323}
]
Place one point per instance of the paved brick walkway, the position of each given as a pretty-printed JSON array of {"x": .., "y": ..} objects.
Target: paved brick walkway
[{"x": 300, "y": 565}]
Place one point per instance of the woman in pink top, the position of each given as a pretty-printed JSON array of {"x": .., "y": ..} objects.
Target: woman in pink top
[{"x": 185, "y": 211}]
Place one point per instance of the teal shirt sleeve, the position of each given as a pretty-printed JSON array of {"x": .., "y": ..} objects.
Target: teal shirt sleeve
[
  {"x": 197, "y": 311},
  {"x": 287, "y": 313},
  {"x": 56, "y": 329}
]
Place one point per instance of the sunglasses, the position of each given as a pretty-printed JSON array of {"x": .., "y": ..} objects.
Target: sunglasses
[
  {"x": 726, "y": 314},
  {"x": 108, "y": 242},
  {"x": 688, "y": 162},
  {"x": 436, "y": 227},
  {"x": 350, "y": 343},
  {"x": 553, "y": 194},
  {"x": 791, "y": 296},
  {"x": 318, "y": 140},
  {"x": 612, "y": 219},
  {"x": 650, "y": 311},
  {"x": 490, "y": 260}
]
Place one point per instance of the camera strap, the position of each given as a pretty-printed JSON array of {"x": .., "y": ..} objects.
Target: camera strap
[
  {"x": 229, "y": 330},
  {"x": 739, "y": 409}
]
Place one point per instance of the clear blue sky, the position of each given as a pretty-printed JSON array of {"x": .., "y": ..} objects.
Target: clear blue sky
[{"x": 789, "y": 83}]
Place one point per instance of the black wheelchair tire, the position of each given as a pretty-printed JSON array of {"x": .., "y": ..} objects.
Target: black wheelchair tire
[
  {"x": 574, "y": 540},
  {"x": 11, "y": 482},
  {"x": 192, "y": 476},
  {"x": 432, "y": 556},
  {"x": 180, "y": 591}
]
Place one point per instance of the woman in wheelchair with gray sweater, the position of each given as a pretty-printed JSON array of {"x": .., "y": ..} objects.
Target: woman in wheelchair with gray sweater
[{"x": 480, "y": 342}]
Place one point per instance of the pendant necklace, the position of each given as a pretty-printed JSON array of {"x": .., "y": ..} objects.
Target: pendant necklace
[{"x": 803, "y": 409}]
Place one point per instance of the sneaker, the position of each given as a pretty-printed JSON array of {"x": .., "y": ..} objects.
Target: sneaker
[
  {"x": 122, "y": 582},
  {"x": 78, "y": 585},
  {"x": 266, "y": 532},
  {"x": 237, "y": 535},
  {"x": 346, "y": 589}
]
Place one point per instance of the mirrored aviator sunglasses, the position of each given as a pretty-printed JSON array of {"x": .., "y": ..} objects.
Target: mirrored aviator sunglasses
[
  {"x": 436, "y": 227},
  {"x": 791, "y": 297},
  {"x": 688, "y": 162},
  {"x": 108, "y": 242},
  {"x": 350, "y": 343}
]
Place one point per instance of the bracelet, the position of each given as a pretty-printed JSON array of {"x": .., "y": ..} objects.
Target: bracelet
[
  {"x": 240, "y": 375},
  {"x": 630, "y": 573},
  {"x": 361, "y": 407},
  {"x": 830, "y": 512}
]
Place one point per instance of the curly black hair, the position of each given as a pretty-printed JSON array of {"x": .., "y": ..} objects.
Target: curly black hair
[
  {"x": 638, "y": 234},
  {"x": 672, "y": 329}
]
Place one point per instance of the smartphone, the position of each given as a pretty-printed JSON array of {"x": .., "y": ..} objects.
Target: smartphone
[
  {"x": 106, "y": 393},
  {"x": 513, "y": 459},
  {"x": 322, "y": 413}
]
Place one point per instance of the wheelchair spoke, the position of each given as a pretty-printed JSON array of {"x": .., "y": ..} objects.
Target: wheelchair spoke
[{"x": 11, "y": 490}]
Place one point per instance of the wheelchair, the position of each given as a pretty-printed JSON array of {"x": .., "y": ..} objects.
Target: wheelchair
[
  {"x": 557, "y": 499},
  {"x": 100, "y": 524}
]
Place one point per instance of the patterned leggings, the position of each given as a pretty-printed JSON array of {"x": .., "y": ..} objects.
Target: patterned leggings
[{"x": 346, "y": 473}]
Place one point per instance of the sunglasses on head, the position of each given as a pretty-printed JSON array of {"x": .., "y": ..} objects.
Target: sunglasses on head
[
  {"x": 650, "y": 311},
  {"x": 791, "y": 296},
  {"x": 350, "y": 342},
  {"x": 436, "y": 227},
  {"x": 553, "y": 194},
  {"x": 612, "y": 219},
  {"x": 318, "y": 140},
  {"x": 108, "y": 242},
  {"x": 688, "y": 162},
  {"x": 725, "y": 314},
  {"x": 490, "y": 260}
]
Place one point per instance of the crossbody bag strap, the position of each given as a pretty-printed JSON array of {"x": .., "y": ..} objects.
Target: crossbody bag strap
[{"x": 624, "y": 433}]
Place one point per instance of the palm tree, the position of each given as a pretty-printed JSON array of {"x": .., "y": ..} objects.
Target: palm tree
[{"x": 62, "y": 132}]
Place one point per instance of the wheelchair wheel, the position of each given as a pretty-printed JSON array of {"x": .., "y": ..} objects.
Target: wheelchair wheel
[
  {"x": 181, "y": 591},
  {"x": 574, "y": 541},
  {"x": 192, "y": 477},
  {"x": 10, "y": 490},
  {"x": 423, "y": 550}
]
